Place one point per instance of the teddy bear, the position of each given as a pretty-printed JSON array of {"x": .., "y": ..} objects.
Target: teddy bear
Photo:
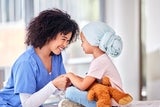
[{"x": 102, "y": 92}]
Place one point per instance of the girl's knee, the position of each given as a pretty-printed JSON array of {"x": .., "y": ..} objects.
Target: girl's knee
[{"x": 70, "y": 91}]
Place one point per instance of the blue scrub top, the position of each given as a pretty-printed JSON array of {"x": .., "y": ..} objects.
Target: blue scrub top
[{"x": 28, "y": 75}]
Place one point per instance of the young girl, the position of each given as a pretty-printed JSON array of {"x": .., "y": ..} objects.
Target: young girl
[{"x": 101, "y": 41}]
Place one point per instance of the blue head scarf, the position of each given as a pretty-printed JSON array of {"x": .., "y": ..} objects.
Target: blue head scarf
[{"x": 102, "y": 35}]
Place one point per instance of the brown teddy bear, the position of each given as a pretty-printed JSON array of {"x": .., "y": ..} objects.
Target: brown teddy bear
[{"x": 103, "y": 92}]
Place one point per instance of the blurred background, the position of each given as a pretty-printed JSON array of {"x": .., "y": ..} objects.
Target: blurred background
[{"x": 136, "y": 21}]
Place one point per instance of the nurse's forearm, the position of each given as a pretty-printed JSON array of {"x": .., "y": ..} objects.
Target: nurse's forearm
[{"x": 38, "y": 98}]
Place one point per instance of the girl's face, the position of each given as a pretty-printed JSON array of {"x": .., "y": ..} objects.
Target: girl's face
[
  {"x": 59, "y": 43},
  {"x": 87, "y": 48}
]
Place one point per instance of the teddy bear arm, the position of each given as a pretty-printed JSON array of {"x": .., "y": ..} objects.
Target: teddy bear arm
[{"x": 91, "y": 95}]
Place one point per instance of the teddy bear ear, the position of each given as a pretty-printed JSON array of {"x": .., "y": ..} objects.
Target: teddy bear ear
[{"x": 105, "y": 81}]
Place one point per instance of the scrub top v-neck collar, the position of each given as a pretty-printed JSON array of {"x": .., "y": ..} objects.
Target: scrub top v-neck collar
[{"x": 42, "y": 65}]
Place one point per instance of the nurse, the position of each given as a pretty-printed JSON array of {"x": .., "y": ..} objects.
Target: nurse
[{"x": 38, "y": 72}]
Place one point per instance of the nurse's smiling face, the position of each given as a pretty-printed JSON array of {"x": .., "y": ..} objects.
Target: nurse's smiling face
[{"x": 59, "y": 43}]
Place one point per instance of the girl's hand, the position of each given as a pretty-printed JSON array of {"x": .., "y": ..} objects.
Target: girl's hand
[
  {"x": 61, "y": 82},
  {"x": 69, "y": 81}
]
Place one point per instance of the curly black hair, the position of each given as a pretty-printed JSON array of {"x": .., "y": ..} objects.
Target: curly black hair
[{"x": 47, "y": 25}]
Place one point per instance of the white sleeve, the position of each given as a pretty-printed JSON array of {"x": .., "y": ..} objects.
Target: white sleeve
[{"x": 38, "y": 98}]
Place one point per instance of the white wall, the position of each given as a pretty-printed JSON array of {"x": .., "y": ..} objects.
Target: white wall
[
  {"x": 123, "y": 16},
  {"x": 152, "y": 12}
]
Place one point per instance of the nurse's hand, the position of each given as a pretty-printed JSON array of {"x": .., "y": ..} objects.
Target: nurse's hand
[{"x": 61, "y": 82}]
